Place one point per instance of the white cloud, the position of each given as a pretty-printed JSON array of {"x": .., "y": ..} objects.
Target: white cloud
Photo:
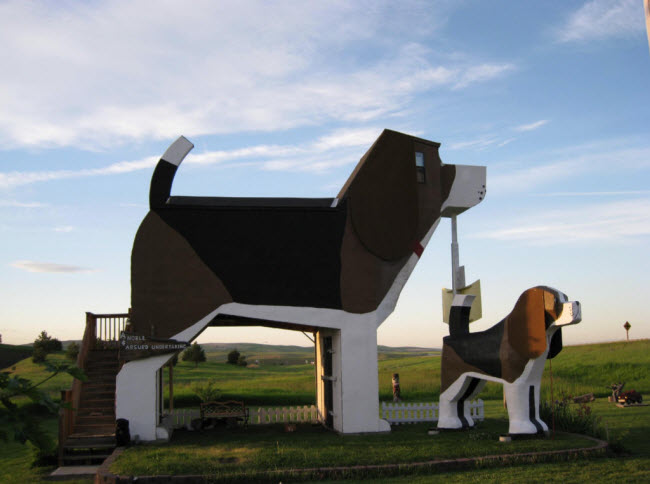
[
  {"x": 64, "y": 228},
  {"x": 481, "y": 73},
  {"x": 328, "y": 151},
  {"x": 602, "y": 19},
  {"x": 344, "y": 138},
  {"x": 477, "y": 143},
  {"x": 18, "y": 204},
  {"x": 564, "y": 165},
  {"x": 595, "y": 194},
  {"x": 621, "y": 221},
  {"x": 32, "y": 266},
  {"x": 531, "y": 126},
  {"x": 17, "y": 178},
  {"x": 120, "y": 71}
]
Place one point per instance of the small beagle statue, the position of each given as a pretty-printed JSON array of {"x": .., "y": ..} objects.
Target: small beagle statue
[{"x": 512, "y": 352}]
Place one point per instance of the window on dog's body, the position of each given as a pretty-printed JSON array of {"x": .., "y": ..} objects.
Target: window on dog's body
[{"x": 419, "y": 166}]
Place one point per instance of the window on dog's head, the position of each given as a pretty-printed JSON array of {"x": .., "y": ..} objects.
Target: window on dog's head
[{"x": 419, "y": 167}]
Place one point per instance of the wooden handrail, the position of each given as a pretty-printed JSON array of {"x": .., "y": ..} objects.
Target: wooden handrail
[
  {"x": 109, "y": 326},
  {"x": 65, "y": 421},
  {"x": 99, "y": 327}
]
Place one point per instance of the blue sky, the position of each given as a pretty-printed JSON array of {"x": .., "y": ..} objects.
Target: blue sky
[{"x": 282, "y": 98}]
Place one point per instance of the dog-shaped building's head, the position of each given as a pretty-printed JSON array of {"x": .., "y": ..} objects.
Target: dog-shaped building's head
[{"x": 400, "y": 188}]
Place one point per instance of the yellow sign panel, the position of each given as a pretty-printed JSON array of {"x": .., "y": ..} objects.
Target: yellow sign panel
[{"x": 474, "y": 289}]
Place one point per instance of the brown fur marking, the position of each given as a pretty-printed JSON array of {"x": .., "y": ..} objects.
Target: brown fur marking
[
  {"x": 452, "y": 367},
  {"x": 171, "y": 287}
]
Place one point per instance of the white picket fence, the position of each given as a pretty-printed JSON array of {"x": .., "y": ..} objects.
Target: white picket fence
[
  {"x": 403, "y": 413},
  {"x": 395, "y": 413},
  {"x": 182, "y": 417},
  {"x": 261, "y": 416}
]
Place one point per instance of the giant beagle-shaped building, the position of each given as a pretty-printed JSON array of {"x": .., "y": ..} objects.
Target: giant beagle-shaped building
[{"x": 334, "y": 267}]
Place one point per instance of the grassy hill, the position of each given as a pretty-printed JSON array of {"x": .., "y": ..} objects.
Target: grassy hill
[
  {"x": 282, "y": 377},
  {"x": 10, "y": 354}
]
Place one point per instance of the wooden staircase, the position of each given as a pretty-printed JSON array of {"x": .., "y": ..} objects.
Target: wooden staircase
[
  {"x": 93, "y": 433},
  {"x": 87, "y": 427}
]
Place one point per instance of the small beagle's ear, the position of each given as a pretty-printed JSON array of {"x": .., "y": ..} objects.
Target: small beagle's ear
[
  {"x": 526, "y": 324},
  {"x": 556, "y": 344},
  {"x": 383, "y": 197}
]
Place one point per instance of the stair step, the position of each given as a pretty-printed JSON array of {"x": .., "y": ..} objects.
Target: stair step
[
  {"x": 90, "y": 434},
  {"x": 84, "y": 457},
  {"x": 90, "y": 385},
  {"x": 100, "y": 378},
  {"x": 93, "y": 430},
  {"x": 102, "y": 365},
  {"x": 95, "y": 420},
  {"x": 96, "y": 401},
  {"x": 98, "y": 395},
  {"x": 103, "y": 355},
  {"x": 98, "y": 387},
  {"x": 90, "y": 442},
  {"x": 95, "y": 411},
  {"x": 102, "y": 362}
]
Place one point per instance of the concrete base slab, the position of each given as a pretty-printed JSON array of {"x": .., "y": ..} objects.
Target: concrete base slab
[{"x": 73, "y": 472}]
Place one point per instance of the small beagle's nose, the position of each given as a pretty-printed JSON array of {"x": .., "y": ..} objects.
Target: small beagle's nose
[{"x": 577, "y": 311}]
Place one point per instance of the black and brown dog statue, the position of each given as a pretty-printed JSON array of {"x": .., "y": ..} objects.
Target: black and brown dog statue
[
  {"x": 333, "y": 267},
  {"x": 512, "y": 352}
]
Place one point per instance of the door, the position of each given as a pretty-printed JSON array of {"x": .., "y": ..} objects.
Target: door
[{"x": 328, "y": 381}]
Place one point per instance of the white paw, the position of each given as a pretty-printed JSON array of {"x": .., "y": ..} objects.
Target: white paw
[
  {"x": 449, "y": 423},
  {"x": 522, "y": 427}
]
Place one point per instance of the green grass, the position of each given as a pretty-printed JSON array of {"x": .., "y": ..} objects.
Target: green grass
[
  {"x": 592, "y": 368},
  {"x": 256, "y": 449},
  {"x": 618, "y": 470},
  {"x": 16, "y": 460}
]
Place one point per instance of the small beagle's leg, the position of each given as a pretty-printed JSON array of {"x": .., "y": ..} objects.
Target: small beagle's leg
[
  {"x": 452, "y": 409},
  {"x": 523, "y": 409}
]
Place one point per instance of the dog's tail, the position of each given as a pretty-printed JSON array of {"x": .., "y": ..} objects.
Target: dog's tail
[
  {"x": 163, "y": 175},
  {"x": 459, "y": 314}
]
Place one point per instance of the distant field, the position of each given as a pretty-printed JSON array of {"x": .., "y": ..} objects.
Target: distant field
[{"x": 283, "y": 378}]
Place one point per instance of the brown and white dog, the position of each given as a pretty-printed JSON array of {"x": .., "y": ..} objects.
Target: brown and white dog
[{"x": 512, "y": 352}]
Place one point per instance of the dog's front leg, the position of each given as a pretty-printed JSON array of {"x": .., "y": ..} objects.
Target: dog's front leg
[{"x": 523, "y": 408}]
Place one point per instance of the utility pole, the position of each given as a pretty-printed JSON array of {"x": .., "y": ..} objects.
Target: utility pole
[{"x": 457, "y": 272}]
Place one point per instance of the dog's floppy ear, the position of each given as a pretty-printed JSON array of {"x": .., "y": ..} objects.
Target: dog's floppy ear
[
  {"x": 526, "y": 324},
  {"x": 383, "y": 197},
  {"x": 556, "y": 344}
]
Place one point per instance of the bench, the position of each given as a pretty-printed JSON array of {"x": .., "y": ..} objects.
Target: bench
[{"x": 230, "y": 410}]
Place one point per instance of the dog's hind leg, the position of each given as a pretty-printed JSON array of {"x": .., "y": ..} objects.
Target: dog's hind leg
[
  {"x": 478, "y": 385},
  {"x": 453, "y": 412}
]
